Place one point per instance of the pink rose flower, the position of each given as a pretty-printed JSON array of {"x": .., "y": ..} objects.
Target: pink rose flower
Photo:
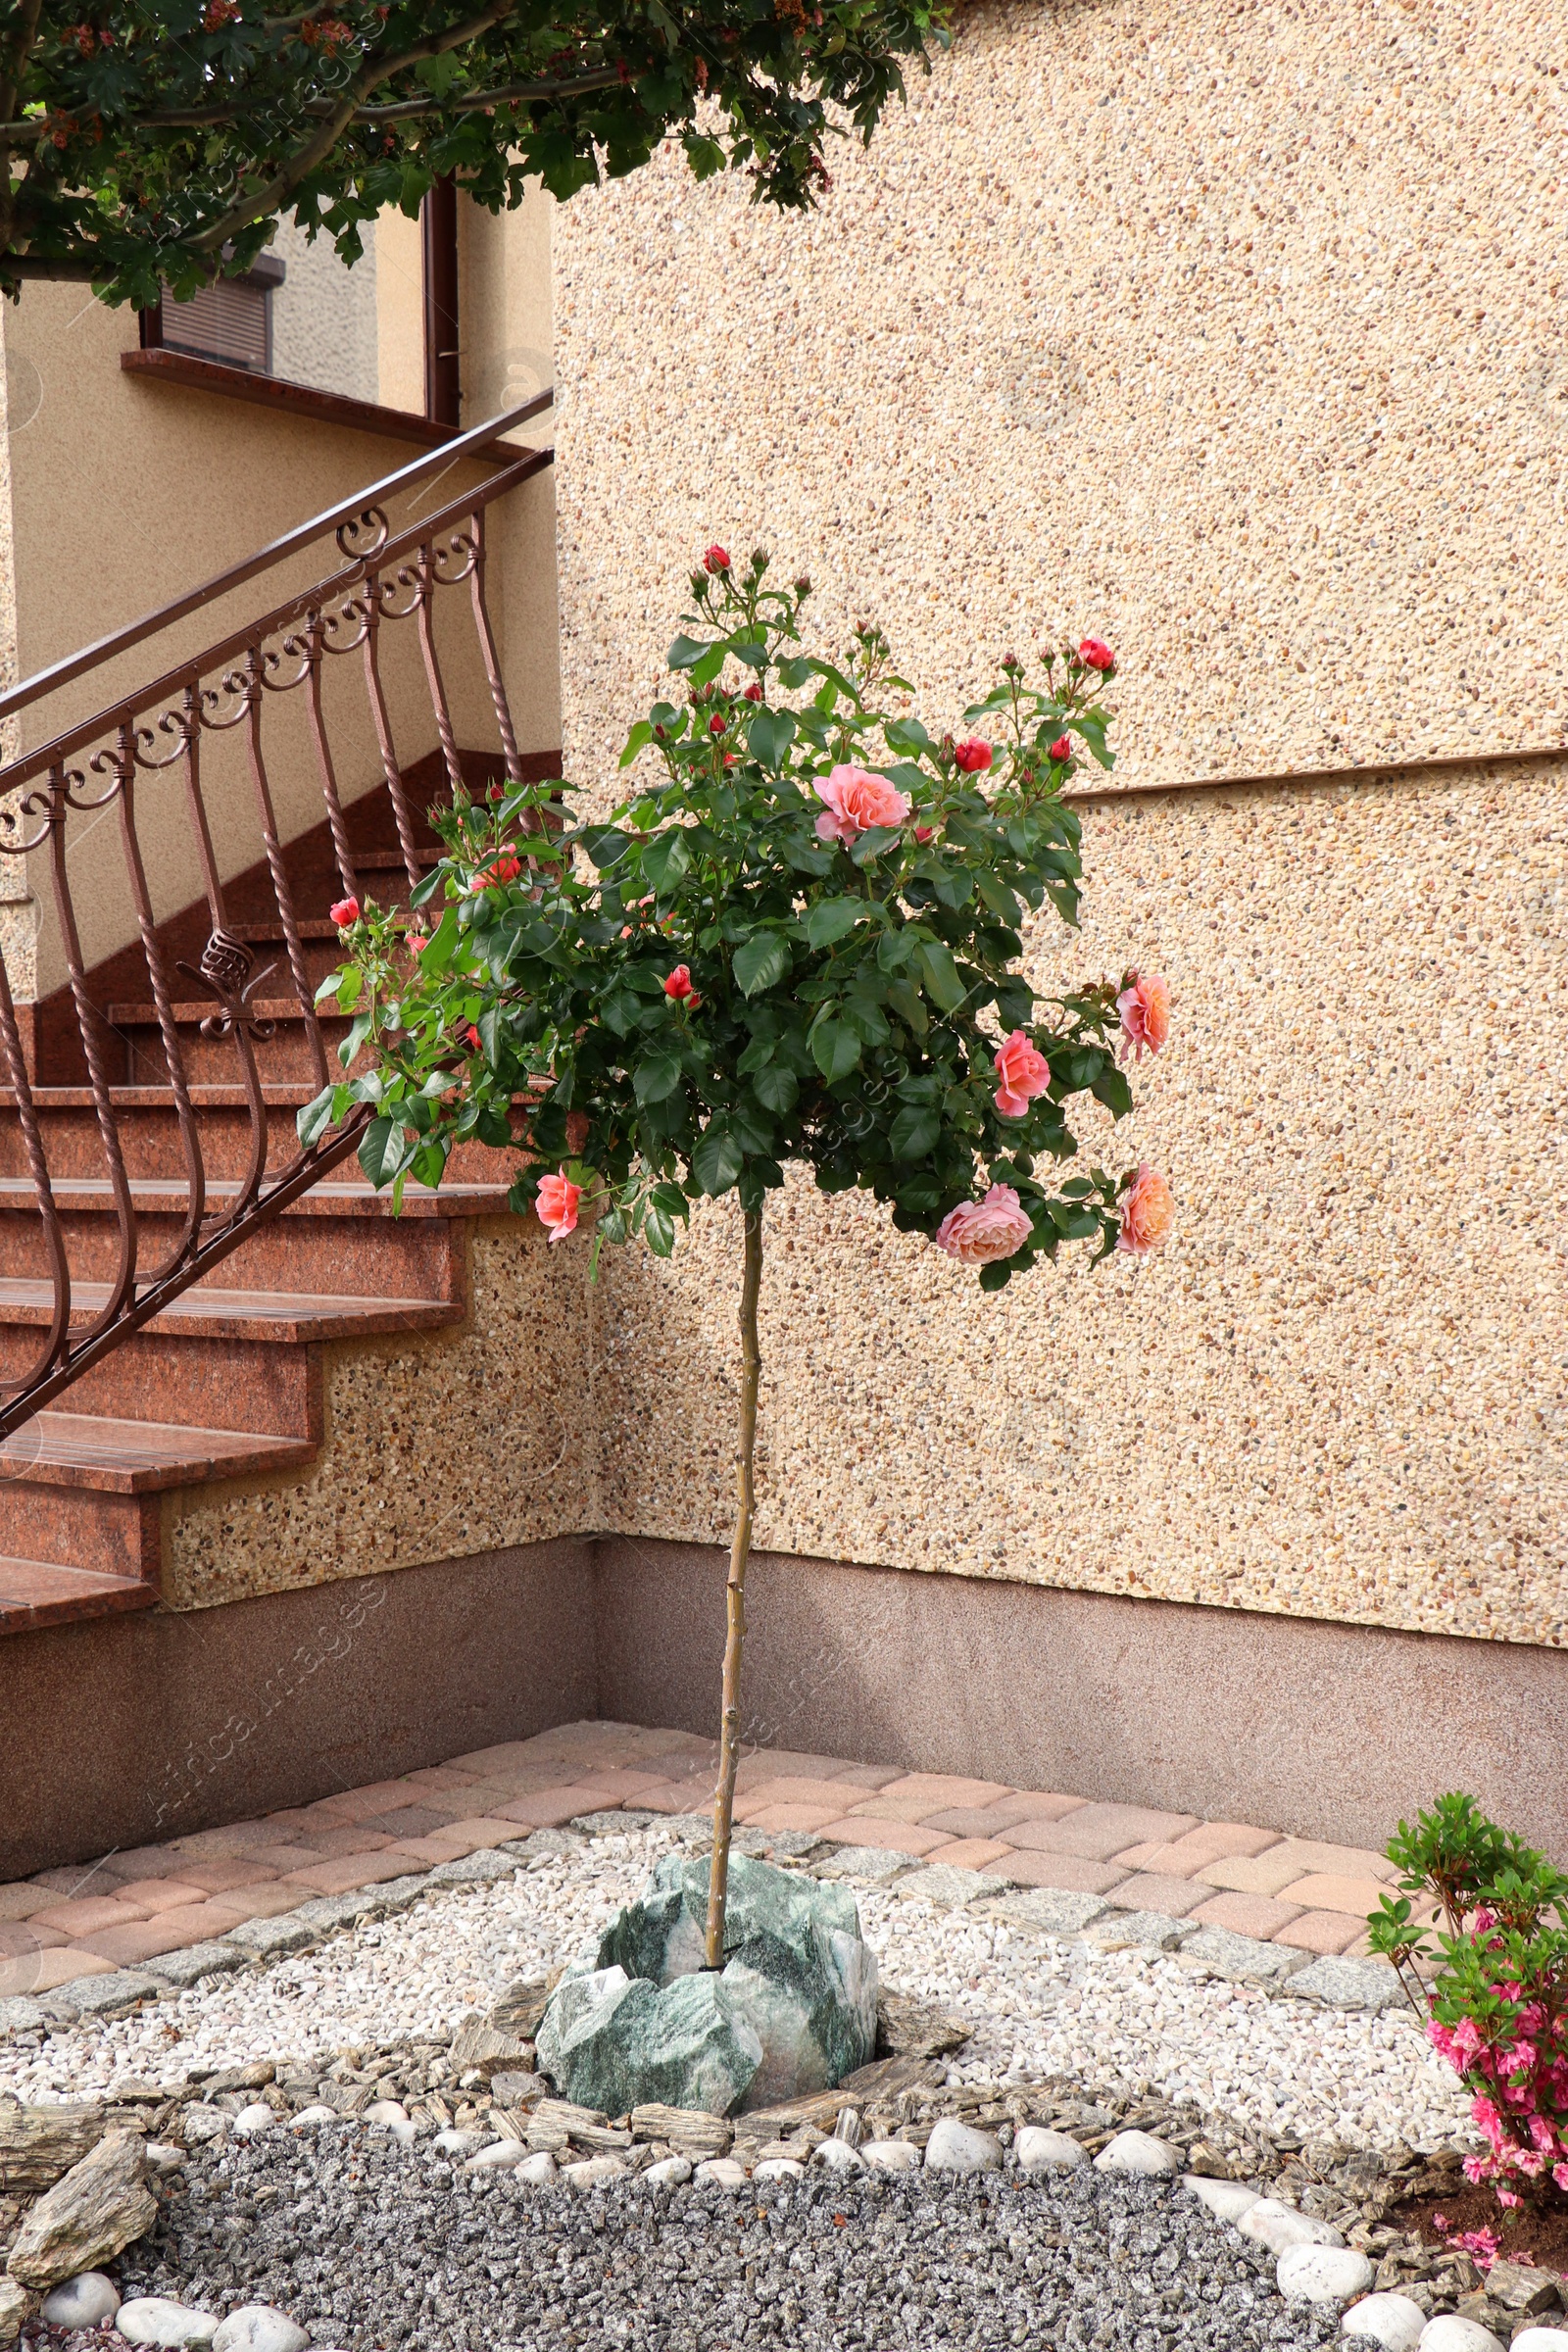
[
  {"x": 1024, "y": 1072},
  {"x": 556, "y": 1204},
  {"x": 1144, "y": 1008},
  {"x": 346, "y": 913},
  {"x": 979, "y": 1232},
  {"x": 855, "y": 802},
  {"x": 1148, "y": 1214}
]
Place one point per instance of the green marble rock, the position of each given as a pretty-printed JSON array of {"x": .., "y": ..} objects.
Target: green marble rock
[{"x": 794, "y": 2009}]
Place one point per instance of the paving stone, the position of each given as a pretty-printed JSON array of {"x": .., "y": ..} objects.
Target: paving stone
[
  {"x": 1259, "y": 1916},
  {"x": 266, "y": 1902},
  {"x": 542, "y": 1841},
  {"x": 88, "y": 1916},
  {"x": 483, "y": 1867},
  {"x": 1145, "y": 1892},
  {"x": 888, "y": 1834},
  {"x": 916, "y": 1794},
  {"x": 19, "y": 1937},
  {"x": 1042, "y": 1866},
  {"x": 110, "y": 1996},
  {"x": 269, "y": 1939},
  {"x": 219, "y": 1876},
  {"x": 1240, "y": 1956},
  {"x": 1322, "y": 1932},
  {"x": 549, "y": 1808},
  {"x": 993, "y": 1821},
  {"x": 970, "y": 1854},
  {"x": 45, "y": 1972},
  {"x": 18, "y": 2015},
  {"x": 842, "y": 1796},
  {"x": 1211, "y": 1841},
  {"x": 1343, "y": 1983},
  {"x": 183, "y": 1967},
  {"x": 1098, "y": 1832},
  {"x": 409, "y": 1821},
  {"x": 348, "y": 1874},
  {"x": 1323, "y": 1890},
  {"x": 1055, "y": 1910},
  {"x": 1269, "y": 1873},
  {"x": 152, "y": 1895},
  {"x": 1151, "y": 1931},
  {"x": 791, "y": 1816},
  {"x": 875, "y": 1862},
  {"x": 940, "y": 1883},
  {"x": 22, "y": 1900},
  {"x": 146, "y": 1938}
]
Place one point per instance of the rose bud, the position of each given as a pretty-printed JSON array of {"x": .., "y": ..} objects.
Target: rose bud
[
  {"x": 497, "y": 791},
  {"x": 716, "y": 725},
  {"x": 730, "y": 759},
  {"x": 416, "y": 942},
  {"x": 753, "y": 692},
  {"x": 802, "y": 586},
  {"x": 716, "y": 559},
  {"x": 473, "y": 1037},
  {"x": 1097, "y": 654},
  {"x": 678, "y": 986},
  {"x": 973, "y": 757},
  {"x": 345, "y": 913},
  {"x": 1061, "y": 748},
  {"x": 925, "y": 833}
]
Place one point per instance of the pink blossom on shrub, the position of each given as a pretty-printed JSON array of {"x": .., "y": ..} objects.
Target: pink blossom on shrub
[
  {"x": 556, "y": 1204},
  {"x": 979, "y": 1232},
  {"x": 1148, "y": 1214},
  {"x": 1144, "y": 1008},
  {"x": 855, "y": 804},
  {"x": 1024, "y": 1073}
]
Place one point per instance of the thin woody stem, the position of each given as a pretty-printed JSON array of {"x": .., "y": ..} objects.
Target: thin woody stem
[{"x": 735, "y": 1592}]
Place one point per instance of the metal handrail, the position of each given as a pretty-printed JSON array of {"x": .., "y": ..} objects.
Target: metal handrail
[
  {"x": 470, "y": 444},
  {"x": 155, "y": 738}
]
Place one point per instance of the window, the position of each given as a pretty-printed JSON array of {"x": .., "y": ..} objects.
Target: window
[{"x": 230, "y": 321}]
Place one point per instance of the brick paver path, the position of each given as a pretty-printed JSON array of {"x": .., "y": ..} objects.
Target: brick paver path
[{"x": 128, "y": 1909}]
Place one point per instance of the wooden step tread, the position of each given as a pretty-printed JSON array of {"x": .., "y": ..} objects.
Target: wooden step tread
[
  {"x": 167, "y": 1195},
  {"x": 209, "y": 1313},
  {"x": 138, "y": 1457},
  {"x": 38, "y": 1592}
]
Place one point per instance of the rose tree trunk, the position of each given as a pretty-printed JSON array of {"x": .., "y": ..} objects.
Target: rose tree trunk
[{"x": 735, "y": 1592}]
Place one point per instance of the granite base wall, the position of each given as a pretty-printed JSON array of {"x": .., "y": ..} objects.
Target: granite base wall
[
  {"x": 1325, "y": 1731},
  {"x": 136, "y": 1728}
]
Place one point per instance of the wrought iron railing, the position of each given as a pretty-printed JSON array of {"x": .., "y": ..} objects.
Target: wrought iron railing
[{"x": 157, "y": 762}]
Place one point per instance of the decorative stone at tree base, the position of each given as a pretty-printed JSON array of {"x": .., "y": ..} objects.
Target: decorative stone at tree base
[{"x": 793, "y": 2010}]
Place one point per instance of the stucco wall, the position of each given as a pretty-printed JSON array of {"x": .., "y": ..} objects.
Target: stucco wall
[{"x": 1228, "y": 331}]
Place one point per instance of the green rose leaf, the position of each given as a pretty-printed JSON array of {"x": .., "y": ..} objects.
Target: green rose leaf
[
  {"x": 762, "y": 962},
  {"x": 776, "y": 1088},
  {"x": 830, "y": 919},
  {"x": 658, "y": 1077},
  {"x": 718, "y": 1160},
  {"x": 835, "y": 1048},
  {"x": 914, "y": 1133}
]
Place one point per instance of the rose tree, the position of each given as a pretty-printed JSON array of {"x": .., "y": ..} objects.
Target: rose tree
[{"x": 799, "y": 941}]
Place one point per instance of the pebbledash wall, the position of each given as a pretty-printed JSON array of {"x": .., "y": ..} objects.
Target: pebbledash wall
[{"x": 1234, "y": 333}]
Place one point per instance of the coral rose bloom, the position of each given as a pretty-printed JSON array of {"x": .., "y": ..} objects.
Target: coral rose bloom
[
  {"x": 855, "y": 802},
  {"x": 979, "y": 1232},
  {"x": 1146, "y": 1214},
  {"x": 1144, "y": 1008},
  {"x": 556, "y": 1204},
  {"x": 1024, "y": 1073}
]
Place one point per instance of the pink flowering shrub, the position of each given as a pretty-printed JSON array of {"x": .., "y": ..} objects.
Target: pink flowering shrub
[{"x": 1497, "y": 2005}]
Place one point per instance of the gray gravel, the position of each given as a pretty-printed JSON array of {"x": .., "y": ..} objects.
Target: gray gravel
[{"x": 370, "y": 2247}]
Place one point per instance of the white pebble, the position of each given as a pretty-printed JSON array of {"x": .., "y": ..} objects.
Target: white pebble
[
  {"x": 720, "y": 2172},
  {"x": 253, "y": 2120},
  {"x": 671, "y": 2171},
  {"x": 458, "y": 2143},
  {"x": 1280, "y": 2227},
  {"x": 153, "y": 2319},
  {"x": 537, "y": 2170},
  {"x": 1040, "y": 2152},
  {"x": 594, "y": 2170},
  {"x": 1229, "y": 2199},
  {"x": 1393, "y": 2320},
  {"x": 163, "y": 2157},
  {"x": 85, "y": 2301},
  {"x": 1449, "y": 2333},
  {"x": 1322, "y": 2274},
  {"x": 500, "y": 2156},
  {"x": 310, "y": 2117},
  {"x": 1540, "y": 2339},
  {"x": 260, "y": 2328},
  {"x": 1140, "y": 2153},
  {"x": 956, "y": 2148},
  {"x": 890, "y": 2156},
  {"x": 836, "y": 2156}
]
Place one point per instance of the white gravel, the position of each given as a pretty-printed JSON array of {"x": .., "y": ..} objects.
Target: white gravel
[{"x": 1038, "y": 2007}]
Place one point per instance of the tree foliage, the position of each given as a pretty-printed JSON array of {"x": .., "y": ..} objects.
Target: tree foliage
[
  {"x": 153, "y": 140},
  {"x": 729, "y": 975}
]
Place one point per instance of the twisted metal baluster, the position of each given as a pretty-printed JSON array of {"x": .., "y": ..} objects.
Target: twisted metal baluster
[
  {"x": 225, "y": 961},
  {"x": 487, "y": 647},
  {"x": 383, "y": 731},
  {"x": 190, "y": 1143},
  {"x": 432, "y": 667},
  {"x": 122, "y": 1290},
  {"x": 282, "y": 891},
  {"x": 16, "y": 1064},
  {"x": 316, "y": 639}
]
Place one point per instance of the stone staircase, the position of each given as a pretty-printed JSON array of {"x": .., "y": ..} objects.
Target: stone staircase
[{"x": 228, "y": 1383}]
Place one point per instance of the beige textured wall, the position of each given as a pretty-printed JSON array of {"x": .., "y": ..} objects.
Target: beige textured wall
[
  {"x": 1232, "y": 332},
  {"x": 1340, "y": 1390},
  {"x": 437, "y": 1447}
]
